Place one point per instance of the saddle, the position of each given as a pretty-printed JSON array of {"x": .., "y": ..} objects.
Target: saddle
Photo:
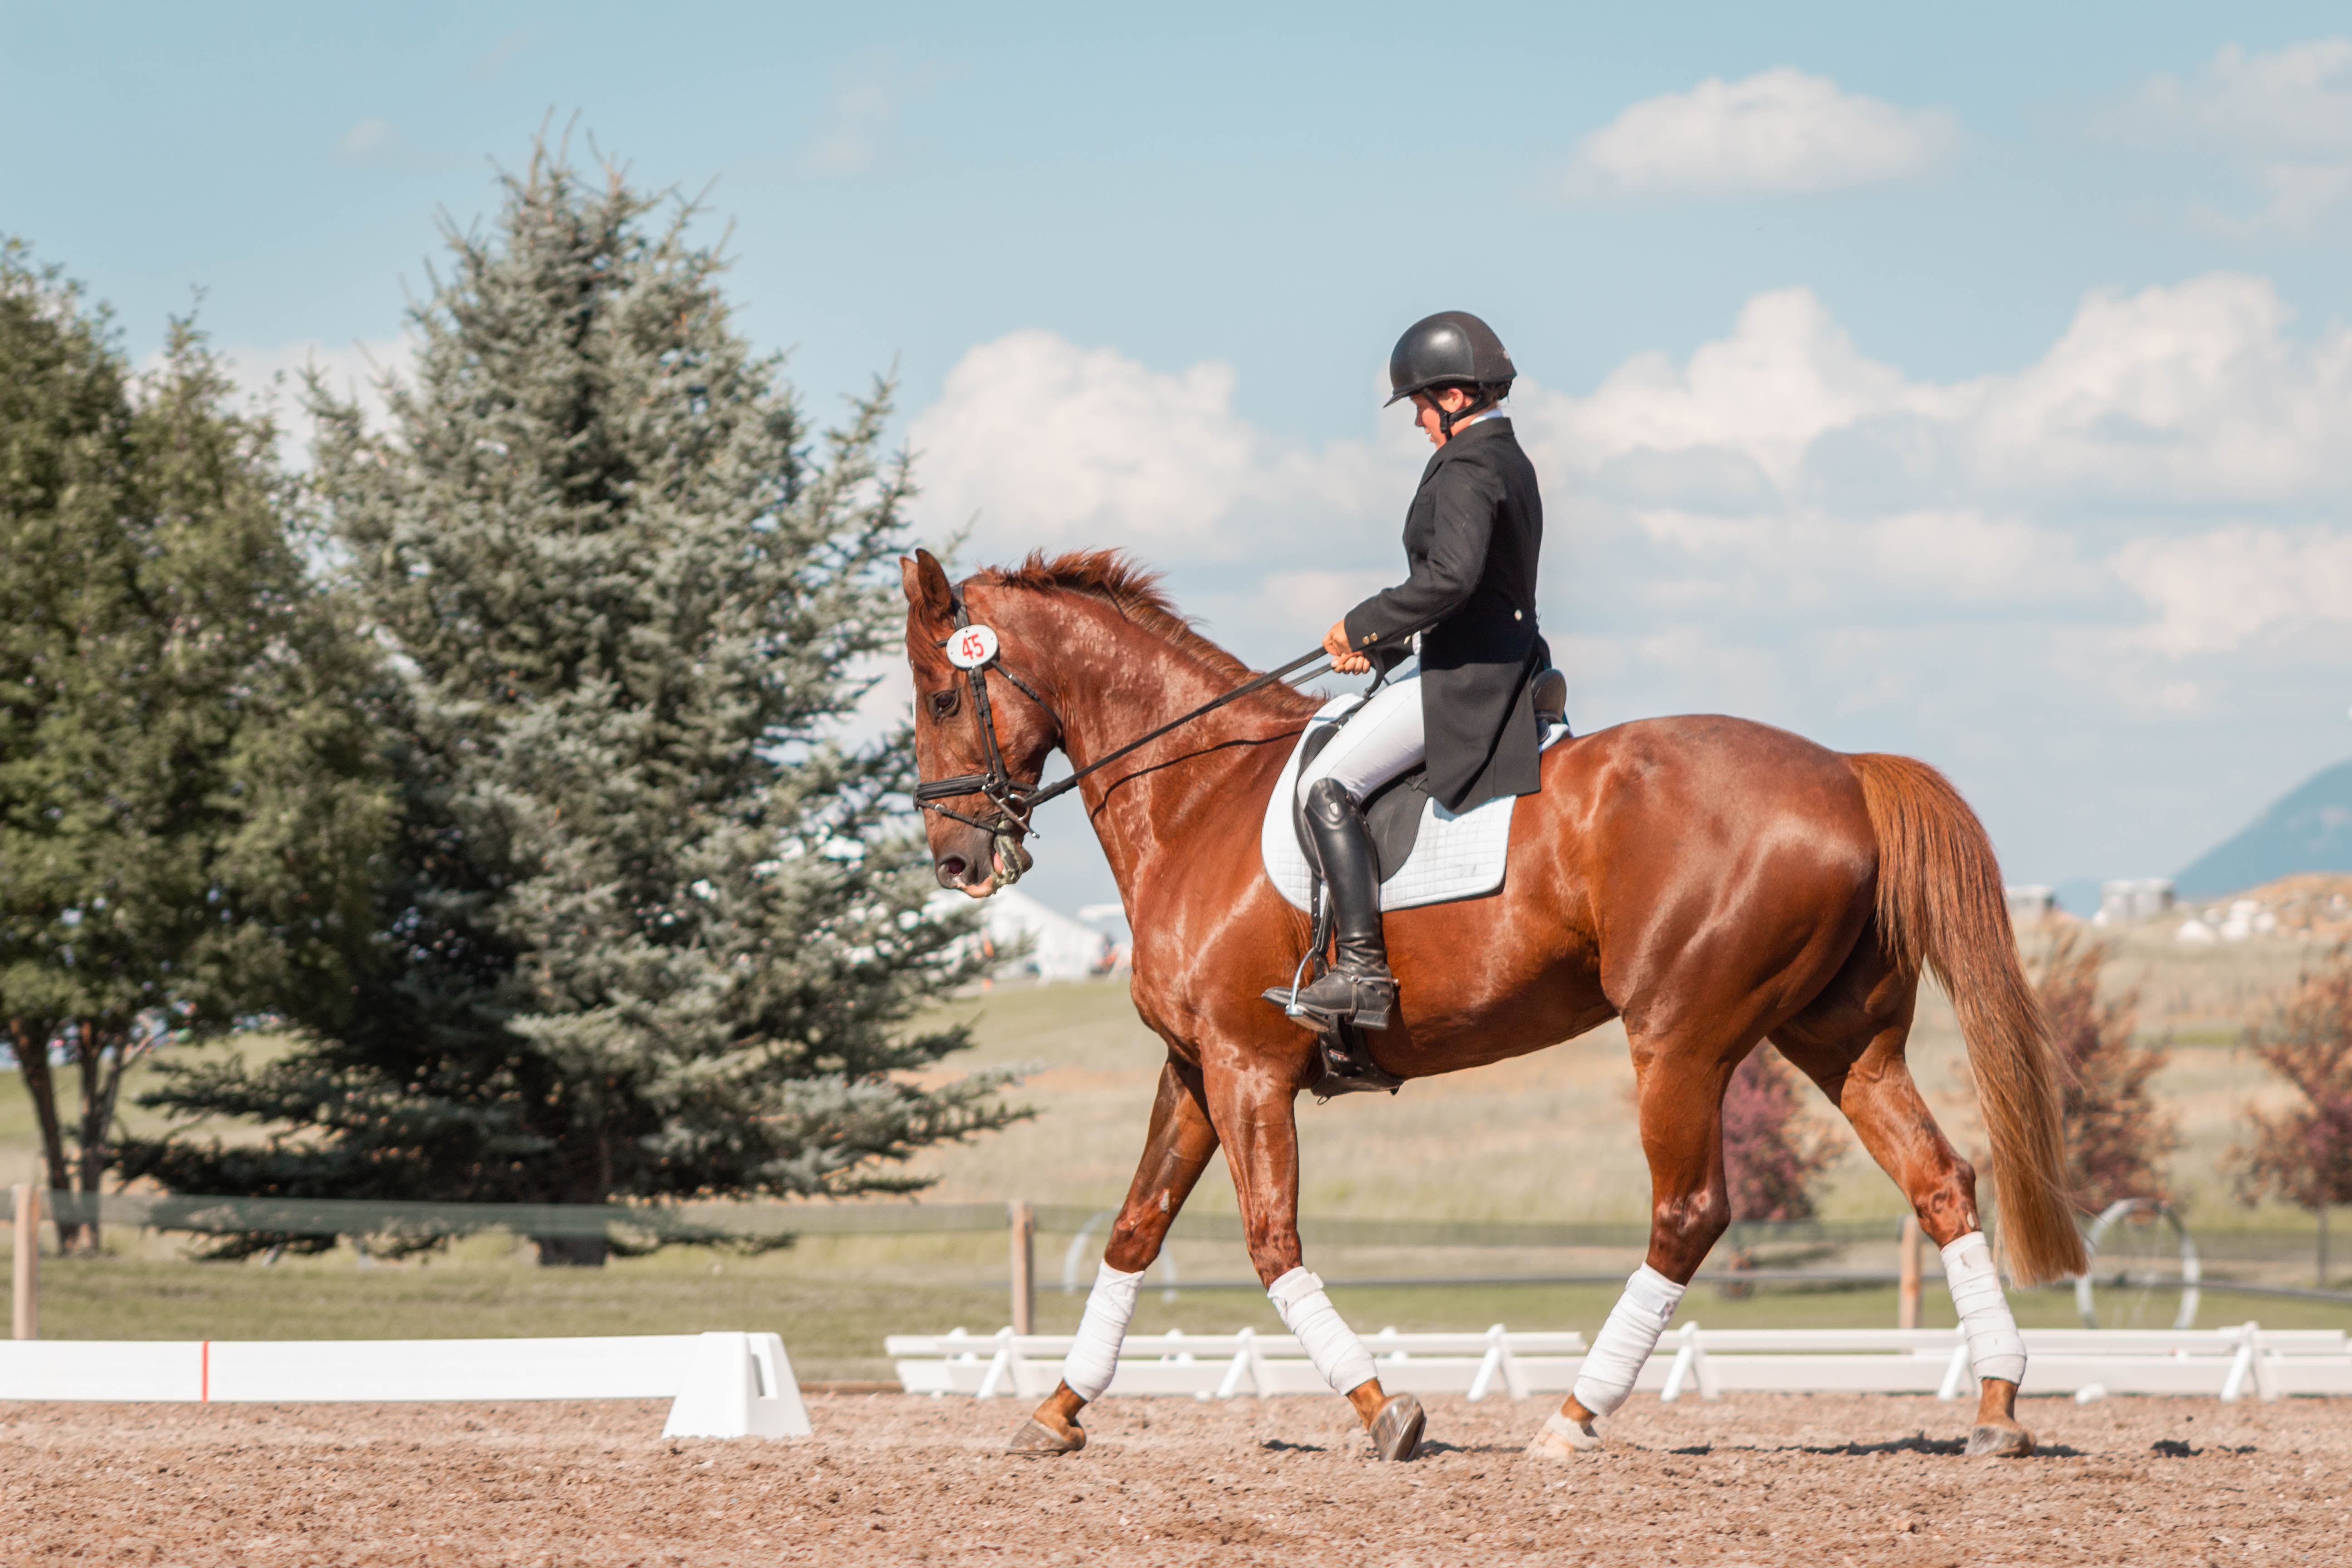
[{"x": 1425, "y": 854}]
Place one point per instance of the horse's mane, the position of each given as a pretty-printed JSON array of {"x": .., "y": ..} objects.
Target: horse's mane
[{"x": 1127, "y": 586}]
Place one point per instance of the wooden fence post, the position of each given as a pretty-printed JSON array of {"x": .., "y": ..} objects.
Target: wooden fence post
[
  {"x": 1907, "y": 1310},
  {"x": 27, "y": 1296},
  {"x": 1024, "y": 1217}
]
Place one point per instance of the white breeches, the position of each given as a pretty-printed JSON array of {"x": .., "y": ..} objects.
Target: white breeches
[{"x": 1381, "y": 740}]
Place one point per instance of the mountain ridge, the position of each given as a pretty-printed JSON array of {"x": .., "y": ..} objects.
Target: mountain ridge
[{"x": 2309, "y": 828}]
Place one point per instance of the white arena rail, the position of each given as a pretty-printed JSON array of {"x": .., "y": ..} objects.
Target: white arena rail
[
  {"x": 2225, "y": 1363},
  {"x": 1222, "y": 1366},
  {"x": 719, "y": 1385}
]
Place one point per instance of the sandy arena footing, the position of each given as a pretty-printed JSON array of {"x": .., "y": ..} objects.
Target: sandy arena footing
[{"x": 1757, "y": 1478}]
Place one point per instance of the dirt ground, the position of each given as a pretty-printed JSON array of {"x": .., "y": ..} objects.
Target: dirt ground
[{"x": 896, "y": 1478}]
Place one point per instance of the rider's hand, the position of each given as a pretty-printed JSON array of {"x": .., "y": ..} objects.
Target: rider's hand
[{"x": 1344, "y": 660}]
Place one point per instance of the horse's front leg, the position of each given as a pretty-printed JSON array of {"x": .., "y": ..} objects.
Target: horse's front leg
[
  {"x": 1177, "y": 1148},
  {"x": 1253, "y": 1102}
]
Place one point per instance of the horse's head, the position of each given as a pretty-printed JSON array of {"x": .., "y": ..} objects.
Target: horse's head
[{"x": 975, "y": 844}]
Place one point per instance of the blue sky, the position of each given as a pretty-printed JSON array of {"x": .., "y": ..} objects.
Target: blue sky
[{"x": 1975, "y": 384}]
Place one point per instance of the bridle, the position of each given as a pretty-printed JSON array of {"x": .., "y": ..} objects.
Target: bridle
[{"x": 1015, "y": 802}]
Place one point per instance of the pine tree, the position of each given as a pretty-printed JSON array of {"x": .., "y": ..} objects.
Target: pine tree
[
  {"x": 190, "y": 803},
  {"x": 2116, "y": 1136},
  {"x": 656, "y": 936}
]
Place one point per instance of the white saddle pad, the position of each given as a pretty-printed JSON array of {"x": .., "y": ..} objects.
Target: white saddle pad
[{"x": 1453, "y": 856}]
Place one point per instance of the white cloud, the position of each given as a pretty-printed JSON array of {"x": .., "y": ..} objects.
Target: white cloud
[
  {"x": 2217, "y": 591},
  {"x": 860, "y": 133},
  {"x": 1778, "y": 133},
  {"x": 365, "y": 142},
  {"x": 1046, "y": 444},
  {"x": 1776, "y": 471},
  {"x": 376, "y": 144},
  {"x": 2060, "y": 580},
  {"x": 2194, "y": 392},
  {"x": 2294, "y": 99},
  {"x": 272, "y": 375},
  {"x": 2285, "y": 115},
  {"x": 1786, "y": 374}
]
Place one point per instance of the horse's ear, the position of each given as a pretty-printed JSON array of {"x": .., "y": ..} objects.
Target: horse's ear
[{"x": 926, "y": 585}]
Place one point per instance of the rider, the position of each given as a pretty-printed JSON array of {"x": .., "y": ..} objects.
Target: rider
[{"x": 1468, "y": 606}]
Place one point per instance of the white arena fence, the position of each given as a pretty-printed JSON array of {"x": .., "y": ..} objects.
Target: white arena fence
[
  {"x": 718, "y": 1384},
  {"x": 2227, "y": 1362}
]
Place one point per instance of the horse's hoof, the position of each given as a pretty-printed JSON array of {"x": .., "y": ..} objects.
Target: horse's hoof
[
  {"x": 1989, "y": 1442},
  {"x": 1396, "y": 1430},
  {"x": 1035, "y": 1440},
  {"x": 1562, "y": 1439}
]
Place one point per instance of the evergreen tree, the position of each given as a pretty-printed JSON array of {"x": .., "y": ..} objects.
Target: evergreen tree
[
  {"x": 190, "y": 801},
  {"x": 655, "y": 936}
]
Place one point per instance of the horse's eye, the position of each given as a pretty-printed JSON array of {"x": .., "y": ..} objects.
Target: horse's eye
[{"x": 944, "y": 703}]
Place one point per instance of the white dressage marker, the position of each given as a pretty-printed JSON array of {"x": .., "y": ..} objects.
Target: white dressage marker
[{"x": 720, "y": 1384}]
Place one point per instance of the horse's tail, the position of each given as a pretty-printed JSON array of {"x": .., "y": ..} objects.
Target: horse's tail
[{"x": 1940, "y": 902}]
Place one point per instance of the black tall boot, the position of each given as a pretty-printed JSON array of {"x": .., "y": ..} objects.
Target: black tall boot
[{"x": 1357, "y": 987}]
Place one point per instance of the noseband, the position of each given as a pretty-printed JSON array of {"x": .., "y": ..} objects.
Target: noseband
[{"x": 1015, "y": 802}]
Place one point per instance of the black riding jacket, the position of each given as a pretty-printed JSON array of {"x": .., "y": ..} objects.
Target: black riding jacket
[{"x": 1472, "y": 537}]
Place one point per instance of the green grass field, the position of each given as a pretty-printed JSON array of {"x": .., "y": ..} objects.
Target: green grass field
[
  {"x": 1546, "y": 1138},
  {"x": 834, "y": 1321}
]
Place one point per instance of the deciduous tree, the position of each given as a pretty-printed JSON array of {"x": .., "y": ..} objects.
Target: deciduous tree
[
  {"x": 2117, "y": 1138},
  {"x": 1771, "y": 1154},
  {"x": 2304, "y": 1154},
  {"x": 190, "y": 798}
]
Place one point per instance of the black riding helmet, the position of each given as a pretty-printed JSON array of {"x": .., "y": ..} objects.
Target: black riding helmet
[{"x": 1453, "y": 348}]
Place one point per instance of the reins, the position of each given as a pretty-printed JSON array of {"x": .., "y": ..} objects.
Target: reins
[{"x": 1014, "y": 802}]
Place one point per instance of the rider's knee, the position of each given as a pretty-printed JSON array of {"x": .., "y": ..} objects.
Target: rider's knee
[{"x": 1327, "y": 801}]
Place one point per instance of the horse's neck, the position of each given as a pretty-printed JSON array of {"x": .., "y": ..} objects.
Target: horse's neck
[{"x": 1119, "y": 682}]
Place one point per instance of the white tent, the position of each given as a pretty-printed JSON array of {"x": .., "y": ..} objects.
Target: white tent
[{"x": 1059, "y": 947}]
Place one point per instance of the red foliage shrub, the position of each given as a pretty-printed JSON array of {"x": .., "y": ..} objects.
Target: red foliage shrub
[
  {"x": 1770, "y": 1155},
  {"x": 2304, "y": 1154},
  {"x": 2116, "y": 1139}
]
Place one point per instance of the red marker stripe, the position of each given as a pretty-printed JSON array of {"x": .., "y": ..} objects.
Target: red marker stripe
[{"x": 204, "y": 1384}]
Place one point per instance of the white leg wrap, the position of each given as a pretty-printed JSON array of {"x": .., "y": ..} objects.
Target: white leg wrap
[
  {"x": 1094, "y": 1355},
  {"x": 1995, "y": 1347},
  {"x": 1626, "y": 1340},
  {"x": 1329, "y": 1342}
]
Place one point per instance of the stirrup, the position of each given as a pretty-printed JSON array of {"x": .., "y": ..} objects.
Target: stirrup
[
  {"x": 1346, "y": 1065},
  {"x": 1371, "y": 1002}
]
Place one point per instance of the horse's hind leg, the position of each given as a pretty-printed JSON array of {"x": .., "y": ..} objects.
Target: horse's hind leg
[
  {"x": 1179, "y": 1146},
  {"x": 1850, "y": 1041},
  {"x": 1681, "y": 1104}
]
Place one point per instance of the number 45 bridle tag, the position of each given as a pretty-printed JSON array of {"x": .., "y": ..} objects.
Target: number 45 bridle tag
[{"x": 971, "y": 647}]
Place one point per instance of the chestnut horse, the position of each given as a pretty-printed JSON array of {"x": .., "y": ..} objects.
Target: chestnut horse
[{"x": 1712, "y": 882}]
